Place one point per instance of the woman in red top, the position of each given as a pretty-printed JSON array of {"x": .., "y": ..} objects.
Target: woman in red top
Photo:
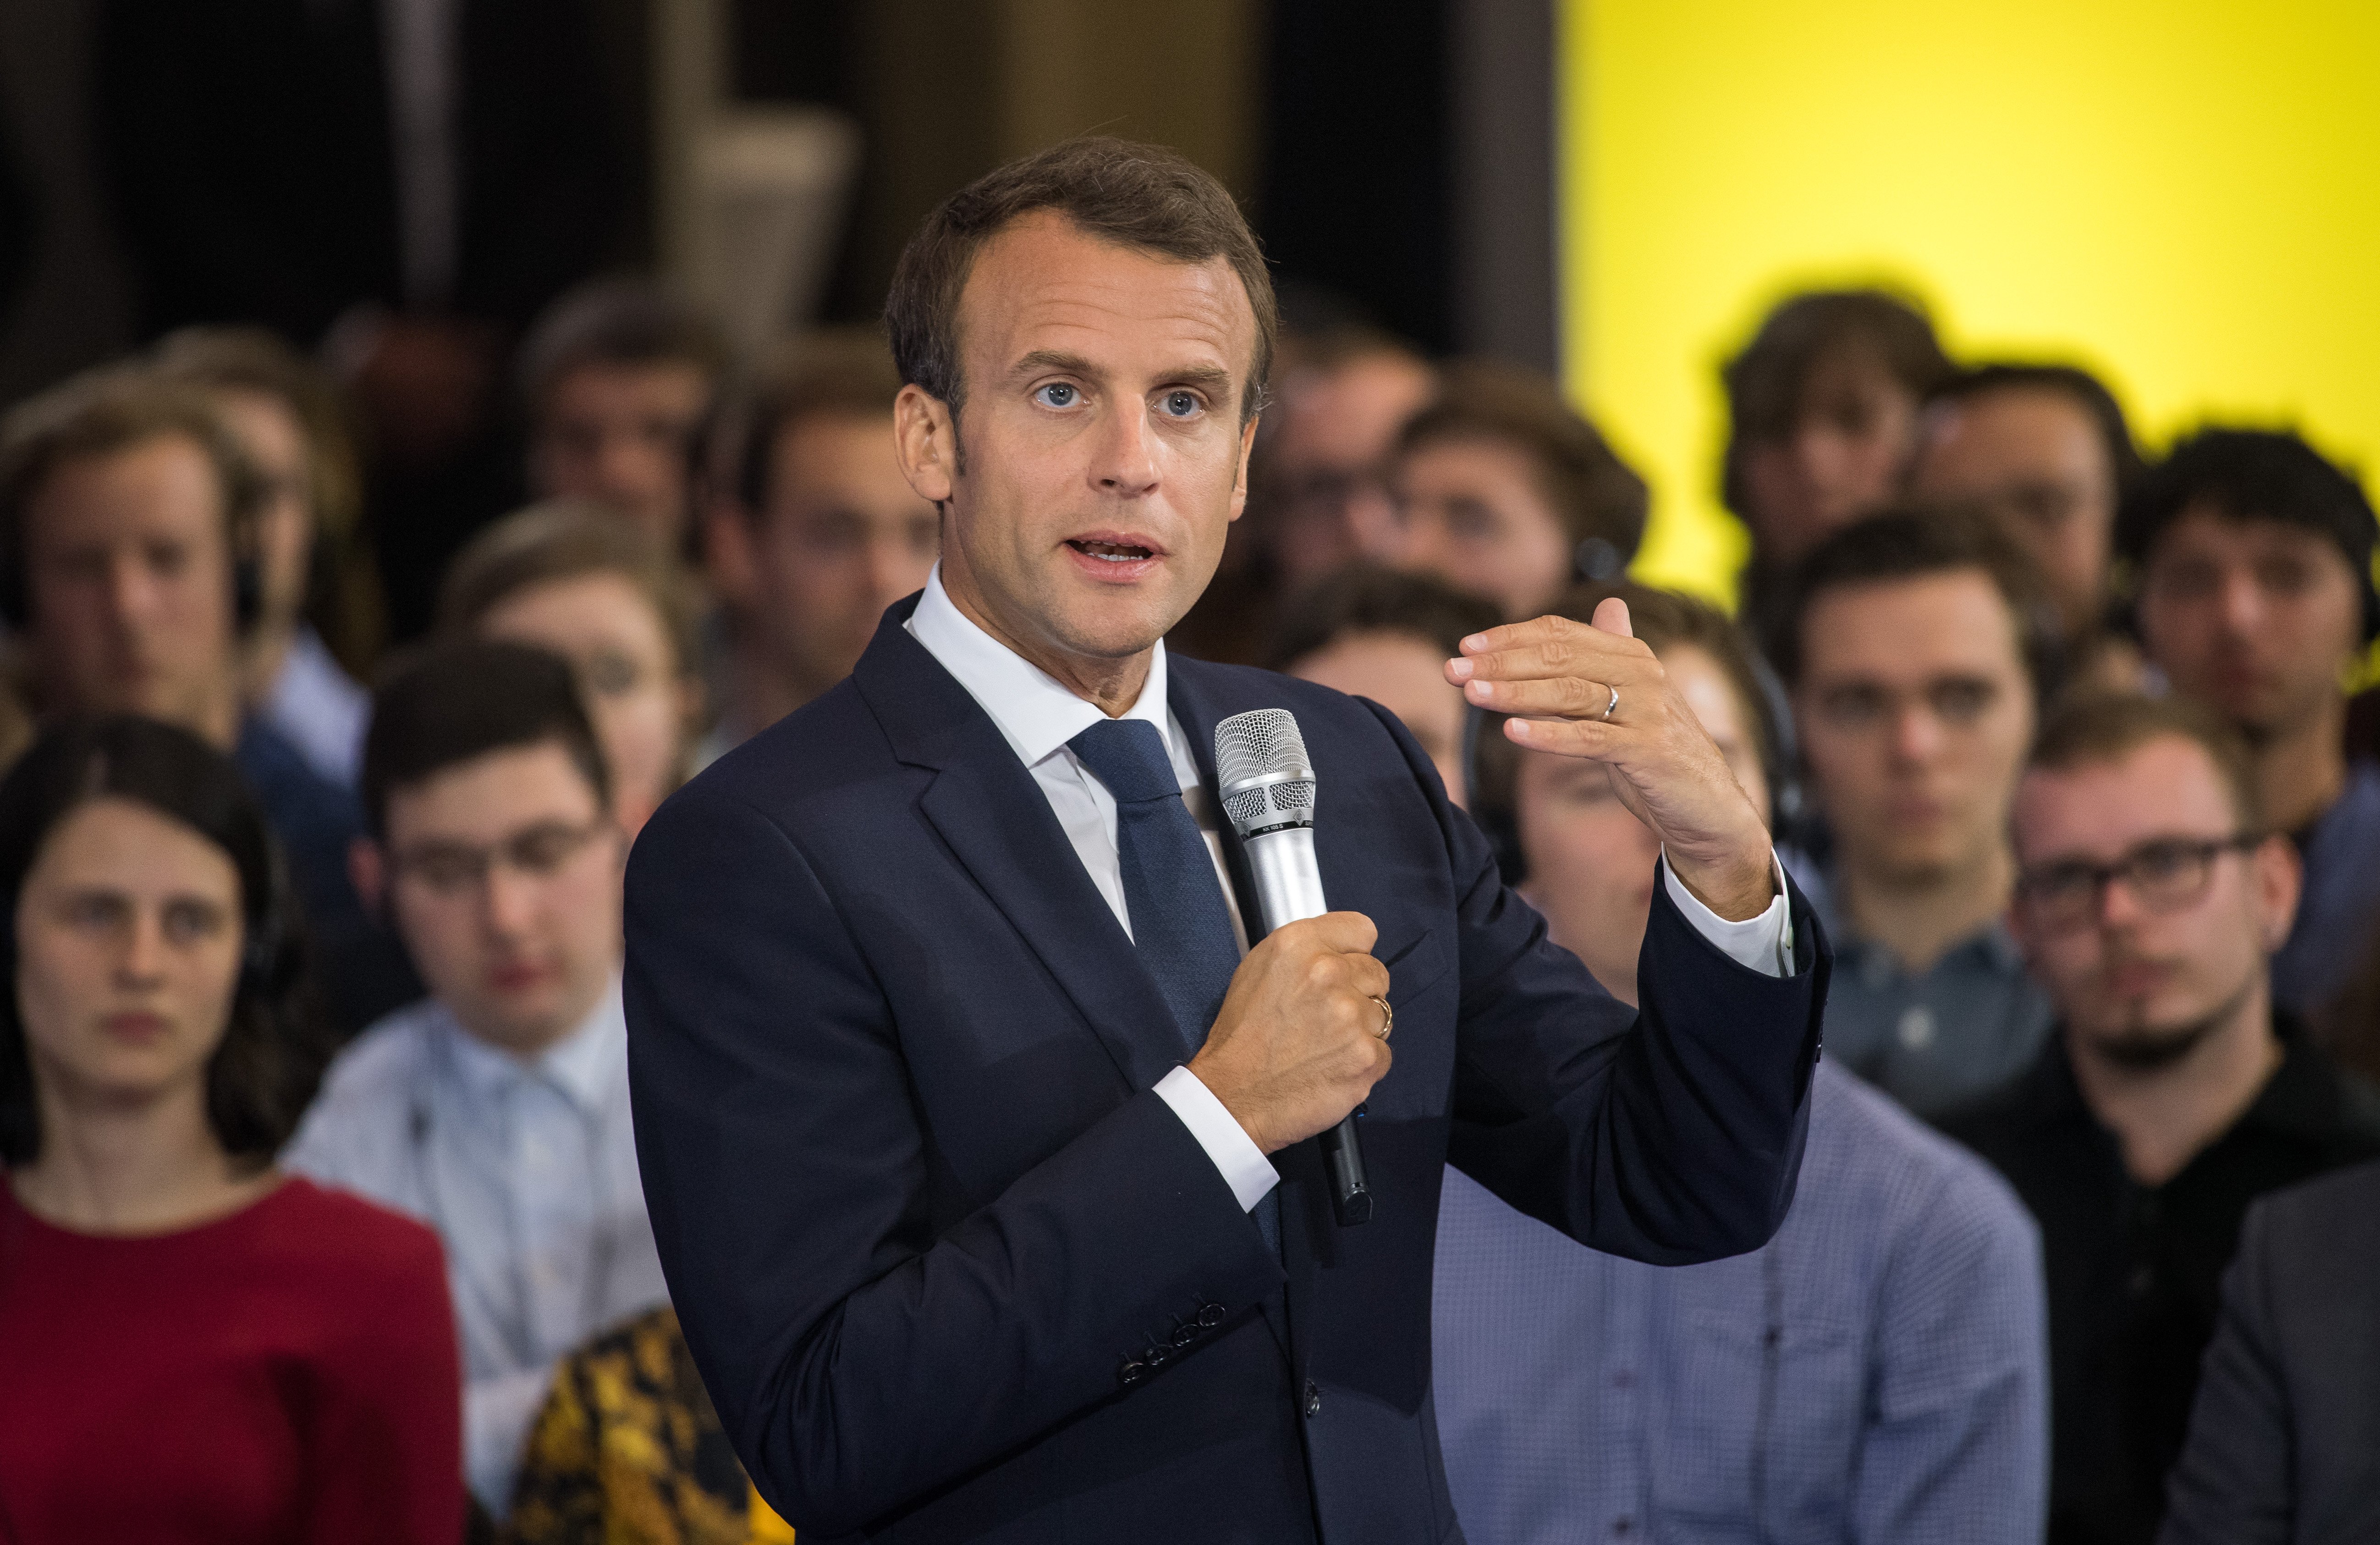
[{"x": 192, "y": 1347}]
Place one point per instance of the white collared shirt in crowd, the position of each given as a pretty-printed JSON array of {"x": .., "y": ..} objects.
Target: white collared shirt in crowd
[
  {"x": 1038, "y": 715},
  {"x": 527, "y": 1171}
]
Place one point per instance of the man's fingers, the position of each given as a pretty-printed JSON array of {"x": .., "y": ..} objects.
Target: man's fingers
[
  {"x": 1578, "y": 651},
  {"x": 1611, "y": 615},
  {"x": 1563, "y": 696},
  {"x": 1347, "y": 932}
]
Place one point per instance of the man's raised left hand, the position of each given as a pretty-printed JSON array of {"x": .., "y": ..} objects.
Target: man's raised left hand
[{"x": 1556, "y": 677}]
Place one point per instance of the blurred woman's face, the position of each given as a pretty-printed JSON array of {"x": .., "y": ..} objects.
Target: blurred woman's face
[
  {"x": 129, "y": 938},
  {"x": 1590, "y": 861},
  {"x": 637, "y": 689}
]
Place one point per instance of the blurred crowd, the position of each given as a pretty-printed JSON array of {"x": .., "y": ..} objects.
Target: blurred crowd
[{"x": 356, "y": 625}]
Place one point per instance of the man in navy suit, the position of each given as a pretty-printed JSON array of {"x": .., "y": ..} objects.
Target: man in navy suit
[{"x": 980, "y": 1161}]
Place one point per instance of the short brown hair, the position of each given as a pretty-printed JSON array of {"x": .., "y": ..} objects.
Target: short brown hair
[
  {"x": 1765, "y": 381},
  {"x": 1137, "y": 196},
  {"x": 562, "y": 540},
  {"x": 1598, "y": 496},
  {"x": 1664, "y": 620},
  {"x": 624, "y": 321},
  {"x": 1914, "y": 544},
  {"x": 104, "y": 413},
  {"x": 2095, "y": 728},
  {"x": 1363, "y": 598},
  {"x": 846, "y": 371}
]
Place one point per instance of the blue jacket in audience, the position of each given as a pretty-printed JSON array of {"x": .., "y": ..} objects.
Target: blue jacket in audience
[
  {"x": 1876, "y": 1373},
  {"x": 2341, "y": 904}
]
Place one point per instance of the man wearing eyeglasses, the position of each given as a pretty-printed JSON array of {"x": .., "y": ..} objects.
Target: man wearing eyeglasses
[
  {"x": 2149, "y": 899},
  {"x": 496, "y": 1110},
  {"x": 1916, "y": 647}
]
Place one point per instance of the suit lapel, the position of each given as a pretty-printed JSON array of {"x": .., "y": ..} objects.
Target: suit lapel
[{"x": 986, "y": 806}]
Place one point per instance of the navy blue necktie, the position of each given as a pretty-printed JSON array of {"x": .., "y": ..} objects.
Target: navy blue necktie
[{"x": 1181, "y": 924}]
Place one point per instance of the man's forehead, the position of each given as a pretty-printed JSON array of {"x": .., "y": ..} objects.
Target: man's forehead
[
  {"x": 1043, "y": 283},
  {"x": 1909, "y": 625},
  {"x": 2163, "y": 787},
  {"x": 2208, "y": 525}
]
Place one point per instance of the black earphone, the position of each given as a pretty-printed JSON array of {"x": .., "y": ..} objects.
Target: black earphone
[{"x": 266, "y": 965}]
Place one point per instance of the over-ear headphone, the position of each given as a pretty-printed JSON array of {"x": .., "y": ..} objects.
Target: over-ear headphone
[{"x": 265, "y": 962}]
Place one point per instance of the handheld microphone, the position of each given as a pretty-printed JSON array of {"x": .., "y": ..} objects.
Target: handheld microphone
[{"x": 1268, "y": 787}]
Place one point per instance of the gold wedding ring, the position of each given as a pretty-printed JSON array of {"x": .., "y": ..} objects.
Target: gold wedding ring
[
  {"x": 1609, "y": 706},
  {"x": 1388, "y": 1018}
]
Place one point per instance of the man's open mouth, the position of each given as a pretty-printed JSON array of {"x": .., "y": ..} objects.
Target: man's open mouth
[{"x": 1111, "y": 551}]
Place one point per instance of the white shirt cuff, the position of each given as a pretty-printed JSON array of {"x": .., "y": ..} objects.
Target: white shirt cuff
[
  {"x": 1764, "y": 943},
  {"x": 1244, "y": 1168}
]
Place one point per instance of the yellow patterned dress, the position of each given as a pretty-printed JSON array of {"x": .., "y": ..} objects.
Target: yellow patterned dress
[{"x": 628, "y": 1451}]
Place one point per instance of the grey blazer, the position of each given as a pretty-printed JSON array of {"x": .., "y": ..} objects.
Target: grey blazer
[{"x": 2285, "y": 1439}]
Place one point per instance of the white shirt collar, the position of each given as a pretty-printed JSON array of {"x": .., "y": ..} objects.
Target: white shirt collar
[
  {"x": 1034, "y": 711},
  {"x": 583, "y": 1064}
]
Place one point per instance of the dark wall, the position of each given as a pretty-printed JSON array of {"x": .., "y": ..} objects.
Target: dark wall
[{"x": 1356, "y": 192}]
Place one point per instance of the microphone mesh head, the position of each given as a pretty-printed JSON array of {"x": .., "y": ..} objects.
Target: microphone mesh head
[{"x": 1258, "y": 746}]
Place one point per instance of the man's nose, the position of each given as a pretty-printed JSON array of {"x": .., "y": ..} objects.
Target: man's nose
[
  {"x": 1127, "y": 464},
  {"x": 2241, "y": 602},
  {"x": 1916, "y": 734},
  {"x": 509, "y": 901}
]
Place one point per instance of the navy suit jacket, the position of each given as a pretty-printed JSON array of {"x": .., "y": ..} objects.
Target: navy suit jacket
[{"x": 951, "y": 1271}]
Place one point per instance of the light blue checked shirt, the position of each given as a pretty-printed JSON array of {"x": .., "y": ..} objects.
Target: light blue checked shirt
[
  {"x": 527, "y": 1171},
  {"x": 1876, "y": 1373}
]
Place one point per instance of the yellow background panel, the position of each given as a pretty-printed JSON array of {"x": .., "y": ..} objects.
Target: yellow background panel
[{"x": 2183, "y": 196}]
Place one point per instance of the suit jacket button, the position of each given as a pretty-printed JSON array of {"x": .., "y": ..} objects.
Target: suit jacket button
[
  {"x": 1210, "y": 1315},
  {"x": 1313, "y": 1398},
  {"x": 1185, "y": 1336},
  {"x": 1158, "y": 1355},
  {"x": 1132, "y": 1374}
]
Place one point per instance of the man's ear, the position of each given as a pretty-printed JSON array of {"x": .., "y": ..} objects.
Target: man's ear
[
  {"x": 1240, "y": 483},
  {"x": 367, "y": 871},
  {"x": 2279, "y": 878},
  {"x": 924, "y": 437}
]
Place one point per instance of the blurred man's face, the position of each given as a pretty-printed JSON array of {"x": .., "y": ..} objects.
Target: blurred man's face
[
  {"x": 275, "y": 443},
  {"x": 1914, "y": 711},
  {"x": 129, "y": 577},
  {"x": 1591, "y": 862},
  {"x": 2033, "y": 459},
  {"x": 642, "y": 698},
  {"x": 2256, "y": 618},
  {"x": 2143, "y": 984},
  {"x": 1101, "y": 456},
  {"x": 843, "y": 537},
  {"x": 1328, "y": 461},
  {"x": 622, "y": 435},
  {"x": 1474, "y": 513},
  {"x": 503, "y": 877},
  {"x": 1406, "y": 676},
  {"x": 1844, "y": 457}
]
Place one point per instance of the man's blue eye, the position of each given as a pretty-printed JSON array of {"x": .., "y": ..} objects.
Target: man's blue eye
[
  {"x": 1180, "y": 404},
  {"x": 1056, "y": 394}
]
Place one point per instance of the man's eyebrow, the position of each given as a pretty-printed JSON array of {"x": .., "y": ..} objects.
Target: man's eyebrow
[
  {"x": 1207, "y": 378},
  {"x": 1053, "y": 359}
]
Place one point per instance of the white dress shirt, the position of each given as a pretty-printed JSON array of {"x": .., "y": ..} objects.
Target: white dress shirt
[
  {"x": 527, "y": 1171},
  {"x": 1038, "y": 715}
]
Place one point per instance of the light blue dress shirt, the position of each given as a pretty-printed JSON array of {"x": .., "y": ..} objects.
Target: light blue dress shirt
[
  {"x": 527, "y": 1171},
  {"x": 319, "y": 709},
  {"x": 1876, "y": 1373}
]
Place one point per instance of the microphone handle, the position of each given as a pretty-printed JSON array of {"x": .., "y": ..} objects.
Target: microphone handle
[{"x": 1289, "y": 887}]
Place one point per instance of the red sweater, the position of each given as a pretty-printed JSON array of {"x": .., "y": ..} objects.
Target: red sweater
[{"x": 284, "y": 1374}]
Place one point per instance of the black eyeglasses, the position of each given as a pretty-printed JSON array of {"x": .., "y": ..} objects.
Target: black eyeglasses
[
  {"x": 539, "y": 852},
  {"x": 2164, "y": 875}
]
